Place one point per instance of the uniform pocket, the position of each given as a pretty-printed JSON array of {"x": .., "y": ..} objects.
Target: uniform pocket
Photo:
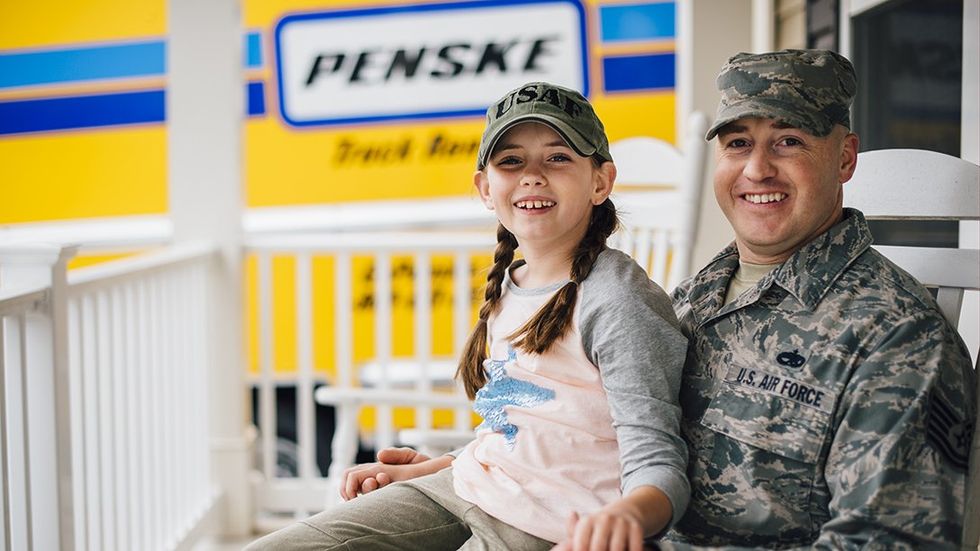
[{"x": 782, "y": 415}]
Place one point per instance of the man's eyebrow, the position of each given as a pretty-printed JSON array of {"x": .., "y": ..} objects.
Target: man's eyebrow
[
  {"x": 783, "y": 125},
  {"x": 731, "y": 129}
]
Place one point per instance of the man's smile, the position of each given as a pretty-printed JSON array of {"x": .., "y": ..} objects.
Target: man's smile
[{"x": 761, "y": 198}]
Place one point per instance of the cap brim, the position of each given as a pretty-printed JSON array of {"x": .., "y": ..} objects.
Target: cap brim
[
  {"x": 567, "y": 133},
  {"x": 758, "y": 108}
]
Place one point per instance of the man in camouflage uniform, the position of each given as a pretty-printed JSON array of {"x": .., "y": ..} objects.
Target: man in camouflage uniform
[{"x": 827, "y": 402}]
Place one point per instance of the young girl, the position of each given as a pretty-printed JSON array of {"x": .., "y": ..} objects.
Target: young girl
[{"x": 580, "y": 441}]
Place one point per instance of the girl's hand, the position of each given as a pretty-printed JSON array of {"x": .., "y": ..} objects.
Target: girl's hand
[
  {"x": 621, "y": 525},
  {"x": 394, "y": 464},
  {"x": 613, "y": 528}
]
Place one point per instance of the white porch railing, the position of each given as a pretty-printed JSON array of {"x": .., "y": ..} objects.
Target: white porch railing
[
  {"x": 134, "y": 346},
  {"x": 345, "y": 389},
  {"x": 105, "y": 430}
]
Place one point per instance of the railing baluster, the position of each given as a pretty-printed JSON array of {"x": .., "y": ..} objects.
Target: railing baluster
[
  {"x": 267, "y": 404},
  {"x": 121, "y": 441},
  {"x": 144, "y": 369},
  {"x": 27, "y": 406},
  {"x": 202, "y": 481},
  {"x": 77, "y": 415},
  {"x": 154, "y": 422},
  {"x": 660, "y": 249},
  {"x": 168, "y": 376},
  {"x": 642, "y": 251},
  {"x": 18, "y": 462},
  {"x": 130, "y": 334},
  {"x": 383, "y": 344},
  {"x": 423, "y": 333},
  {"x": 182, "y": 424},
  {"x": 306, "y": 436},
  {"x": 344, "y": 446},
  {"x": 90, "y": 403},
  {"x": 344, "y": 319},
  {"x": 461, "y": 323},
  {"x": 6, "y": 521},
  {"x": 105, "y": 414},
  {"x": 40, "y": 412}
]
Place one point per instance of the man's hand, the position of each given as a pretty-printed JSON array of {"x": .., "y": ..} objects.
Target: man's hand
[{"x": 393, "y": 464}]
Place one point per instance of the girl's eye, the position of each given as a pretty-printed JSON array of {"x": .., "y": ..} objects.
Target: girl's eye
[
  {"x": 509, "y": 160},
  {"x": 559, "y": 157}
]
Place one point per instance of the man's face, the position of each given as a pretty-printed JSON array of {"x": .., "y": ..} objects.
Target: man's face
[{"x": 779, "y": 186}]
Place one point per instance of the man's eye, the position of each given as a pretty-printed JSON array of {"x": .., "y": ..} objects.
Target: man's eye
[
  {"x": 738, "y": 143},
  {"x": 792, "y": 141}
]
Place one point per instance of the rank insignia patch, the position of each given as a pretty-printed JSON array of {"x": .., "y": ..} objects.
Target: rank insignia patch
[{"x": 949, "y": 433}]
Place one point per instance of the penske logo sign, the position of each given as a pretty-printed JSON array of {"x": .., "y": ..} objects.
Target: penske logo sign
[{"x": 424, "y": 61}]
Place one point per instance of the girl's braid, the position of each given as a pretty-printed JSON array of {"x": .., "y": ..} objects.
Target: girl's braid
[{"x": 470, "y": 368}]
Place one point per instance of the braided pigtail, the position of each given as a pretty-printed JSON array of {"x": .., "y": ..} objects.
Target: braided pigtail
[
  {"x": 552, "y": 320},
  {"x": 470, "y": 368}
]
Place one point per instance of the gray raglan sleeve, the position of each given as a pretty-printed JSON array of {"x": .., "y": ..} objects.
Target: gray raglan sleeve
[{"x": 630, "y": 332}]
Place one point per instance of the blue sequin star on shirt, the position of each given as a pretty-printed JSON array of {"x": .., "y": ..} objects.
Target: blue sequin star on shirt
[{"x": 503, "y": 390}]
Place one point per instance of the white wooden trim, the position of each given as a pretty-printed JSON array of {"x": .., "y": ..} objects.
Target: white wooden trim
[
  {"x": 390, "y": 242},
  {"x": 439, "y": 212},
  {"x": 111, "y": 273},
  {"x": 857, "y": 7},
  {"x": 29, "y": 298}
]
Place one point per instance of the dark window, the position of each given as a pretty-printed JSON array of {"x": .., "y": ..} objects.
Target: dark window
[{"x": 908, "y": 57}]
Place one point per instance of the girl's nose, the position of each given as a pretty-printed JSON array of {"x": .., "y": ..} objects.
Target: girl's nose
[{"x": 533, "y": 175}]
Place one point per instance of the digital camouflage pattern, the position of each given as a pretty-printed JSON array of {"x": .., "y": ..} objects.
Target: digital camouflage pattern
[
  {"x": 808, "y": 89},
  {"x": 828, "y": 407}
]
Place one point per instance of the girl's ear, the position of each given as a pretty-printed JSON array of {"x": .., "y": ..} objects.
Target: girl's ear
[
  {"x": 483, "y": 188},
  {"x": 603, "y": 178}
]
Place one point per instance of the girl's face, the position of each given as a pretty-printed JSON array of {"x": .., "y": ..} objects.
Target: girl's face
[{"x": 541, "y": 190}]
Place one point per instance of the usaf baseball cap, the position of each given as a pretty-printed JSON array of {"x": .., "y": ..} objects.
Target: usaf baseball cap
[
  {"x": 809, "y": 89},
  {"x": 563, "y": 109}
]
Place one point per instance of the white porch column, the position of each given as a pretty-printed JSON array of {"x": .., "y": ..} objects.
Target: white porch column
[
  {"x": 205, "y": 110},
  {"x": 709, "y": 32}
]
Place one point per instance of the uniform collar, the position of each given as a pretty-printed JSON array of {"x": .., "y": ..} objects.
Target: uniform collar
[
  {"x": 813, "y": 269},
  {"x": 807, "y": 275}
]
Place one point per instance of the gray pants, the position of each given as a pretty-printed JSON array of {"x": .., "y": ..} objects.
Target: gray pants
[{"x": 422, "y": 514}]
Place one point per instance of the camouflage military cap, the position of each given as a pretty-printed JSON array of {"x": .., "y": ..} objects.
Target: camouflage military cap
[
  {"x": 563, "y": 109},
  {"x": 808, "y": 89}
]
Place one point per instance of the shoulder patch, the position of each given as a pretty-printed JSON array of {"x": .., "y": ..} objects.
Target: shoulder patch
[{"x": 949, "y": 433}]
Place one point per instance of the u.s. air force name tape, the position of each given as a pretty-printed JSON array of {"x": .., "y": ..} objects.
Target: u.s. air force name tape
[{"x": 775, "y": 384}]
